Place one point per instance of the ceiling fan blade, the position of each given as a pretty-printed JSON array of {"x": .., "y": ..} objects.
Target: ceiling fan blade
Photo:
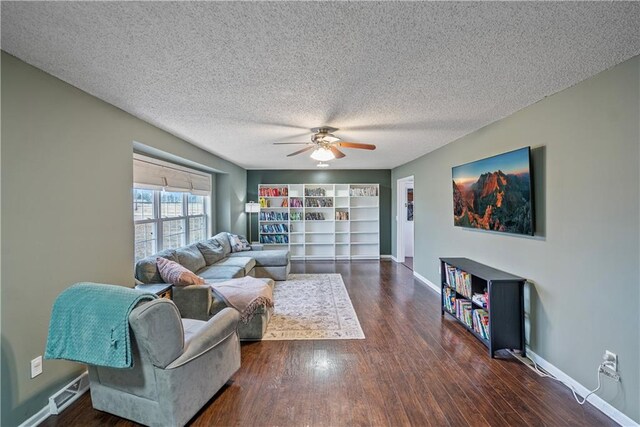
[
  {"x": 301, "y": 151},
  {"x": 356, "y": 145},
  {"x": 339, "y": 154},
  {"x": 287, "y": 143}
]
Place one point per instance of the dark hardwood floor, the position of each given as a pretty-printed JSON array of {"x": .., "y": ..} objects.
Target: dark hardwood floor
[
  {"x": 408, "y": 262},
  {"x": 414, "y": 368}
]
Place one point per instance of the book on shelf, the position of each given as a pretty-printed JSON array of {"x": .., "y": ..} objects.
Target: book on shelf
[
  {"x": 314, "y": 216},
  {"x": 342, "y": 216},
  {"x": 464, "y": 311},
  {"x": 274, "y": 228},
  {"x": 274, "y": 239},
  {"x": 481, "y": 323},
  {"x": 273, "y": 191},
  {"x": 458, "y": 279},
  {"x": 363, "y": 191},
  {"x": 481, "y": 299},
  {"x": 319, "y": 202},
  {"x": 449, "y": 300},
  {"x": 274, "y": 216},
  {"x": 315, "y": 192}
]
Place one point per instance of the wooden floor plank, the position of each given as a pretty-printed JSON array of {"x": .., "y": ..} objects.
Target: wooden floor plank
[{"x": 415, "y": 367}]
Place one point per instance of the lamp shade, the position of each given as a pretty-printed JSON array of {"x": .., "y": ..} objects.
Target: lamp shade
[
  {"x": 252, "y": 207},
  {"x": 322, "y": 155}
]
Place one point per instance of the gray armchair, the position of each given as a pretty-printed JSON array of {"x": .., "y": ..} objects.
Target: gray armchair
[{"x": 179, "y": 364}]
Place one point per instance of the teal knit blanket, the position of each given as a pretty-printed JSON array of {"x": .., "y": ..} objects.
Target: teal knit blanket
[{"x": 90, "y": 324}]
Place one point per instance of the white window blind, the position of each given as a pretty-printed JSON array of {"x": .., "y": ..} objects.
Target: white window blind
[{"x": 152, "y": 174}]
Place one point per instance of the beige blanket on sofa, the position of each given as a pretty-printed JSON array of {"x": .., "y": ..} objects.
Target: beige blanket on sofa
[{"x": 245, "y": 294}]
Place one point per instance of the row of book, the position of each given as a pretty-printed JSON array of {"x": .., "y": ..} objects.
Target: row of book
[
  {"x": 274, "y": 228},
  {"x": 449, "y": 299},
  {"x": 319, "y": 202},
  {"x": 477, "y": 319},
  {"x": 274, "y": 238},
  {"x": 363, "y": 191},
  {"x": 314, "y": 216},
  {"x": 481, "y": 323},
  {"x": 458, "y": 279},
  {"x": 295, "y": 203},
  {"x": 464, "y": 311},
  {"x": 296, "y": 216},
  {"x": 315, "y": 192},
  {"x": 481, "y": 299},
  {"x": 274, "y": 216},
  {"x": 273, "y": 192},
  {"x": 342, "y": 216}
]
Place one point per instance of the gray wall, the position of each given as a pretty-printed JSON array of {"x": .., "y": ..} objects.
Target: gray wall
[
  {"x": 67, "y": 213},
  {"x": 583, "y": 295},
  {"x": 361, "y": 176}
]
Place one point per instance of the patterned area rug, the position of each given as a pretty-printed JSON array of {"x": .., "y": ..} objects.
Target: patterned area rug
[{"x": 313, "y": 307}]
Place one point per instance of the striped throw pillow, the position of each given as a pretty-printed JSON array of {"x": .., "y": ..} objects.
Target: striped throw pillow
[{"x": 174, "y": 273}]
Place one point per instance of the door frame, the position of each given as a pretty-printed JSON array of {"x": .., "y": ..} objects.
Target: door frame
[{"x": 400, "y": 200}]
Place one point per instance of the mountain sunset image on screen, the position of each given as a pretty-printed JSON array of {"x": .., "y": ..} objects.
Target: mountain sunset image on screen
[{"x": 495, "y": 193}]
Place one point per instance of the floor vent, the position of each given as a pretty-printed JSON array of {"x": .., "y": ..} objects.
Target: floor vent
[{"x": 65, "y": 397}]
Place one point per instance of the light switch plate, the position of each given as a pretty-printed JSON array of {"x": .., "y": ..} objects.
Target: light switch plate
[{"x": 36, "y": 366}]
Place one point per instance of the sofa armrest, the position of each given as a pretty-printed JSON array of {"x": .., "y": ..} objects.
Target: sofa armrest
[
  {"x": 193, "y": 301},
  {"x": 215, "y": 331}
]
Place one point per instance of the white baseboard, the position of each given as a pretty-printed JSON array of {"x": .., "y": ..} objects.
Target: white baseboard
[
  {"x": 426, "y": 281},
  {"x": 393, "y": 258},
  {"x": 594, "y": 399},
  {"x": 386, "y": 257},
  {"x": 45, "y": 412},
  {"x": 37, "y": 418}
]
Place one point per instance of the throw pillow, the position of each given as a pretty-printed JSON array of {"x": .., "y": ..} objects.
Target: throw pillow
[
  {"x": 239, "y": 243},
  {"x": 211, "y": 251},
  {"x": 174, "y": 273}
]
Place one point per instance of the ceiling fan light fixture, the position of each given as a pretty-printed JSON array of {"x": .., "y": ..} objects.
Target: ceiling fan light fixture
[
  {"x": 322, "y": 154},
  {"x": 330, "y": 138},
  {"x": 322, "y": 165}
]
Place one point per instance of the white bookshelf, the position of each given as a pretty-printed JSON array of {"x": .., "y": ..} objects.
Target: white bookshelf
[{"x": 321, "y": 221}]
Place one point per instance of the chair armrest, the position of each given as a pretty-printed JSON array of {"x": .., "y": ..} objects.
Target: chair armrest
[
  {"x": 193, "y": 301},
  {"x": 216, "y": 330}
]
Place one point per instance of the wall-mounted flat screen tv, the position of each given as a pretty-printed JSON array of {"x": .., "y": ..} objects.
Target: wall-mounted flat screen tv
[{"x": 495, "y": 193}]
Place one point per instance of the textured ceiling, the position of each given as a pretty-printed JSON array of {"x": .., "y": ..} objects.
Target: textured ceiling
[{"x": 234, "y": 77}]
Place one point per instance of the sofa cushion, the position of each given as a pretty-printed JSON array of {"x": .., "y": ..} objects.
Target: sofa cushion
[
  {"x": 214, "y": 272},
  {"x": 265, "y": 258},
  {"x": 211, "y": 251},
  {"x": 147, "y": 268},
  {"x": 176, "y": 274},
  {"x": 191, "y": 327},
  {"x": 245, "y": 262},
  {"x": 190, "y": 257},
  {"x": 223, "y": 240}
]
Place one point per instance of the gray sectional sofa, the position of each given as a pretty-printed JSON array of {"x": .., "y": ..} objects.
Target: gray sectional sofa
[{"x": 213, "y": 260}]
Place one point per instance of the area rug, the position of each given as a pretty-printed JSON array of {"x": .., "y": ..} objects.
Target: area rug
[{"x": 312, "y": 307}]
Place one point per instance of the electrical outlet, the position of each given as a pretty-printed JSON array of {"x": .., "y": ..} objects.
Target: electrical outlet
[
  {"x": 36, "y": 366},
  {"x": 607, "y": 372},
  {"x": 610, "y": 360}
]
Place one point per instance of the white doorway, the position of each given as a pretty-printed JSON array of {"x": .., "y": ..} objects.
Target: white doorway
[{"x": 405, "y": 222}]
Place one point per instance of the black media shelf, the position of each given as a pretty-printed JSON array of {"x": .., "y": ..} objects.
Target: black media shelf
[{"x": 505, "y": 301}]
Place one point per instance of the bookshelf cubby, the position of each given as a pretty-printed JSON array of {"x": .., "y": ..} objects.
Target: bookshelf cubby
[
  {"x": 488, "y": 302},
  {"x": 321, "y": 221}
]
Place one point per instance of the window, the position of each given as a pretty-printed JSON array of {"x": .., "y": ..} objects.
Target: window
[{"x": 168, "y": 218}]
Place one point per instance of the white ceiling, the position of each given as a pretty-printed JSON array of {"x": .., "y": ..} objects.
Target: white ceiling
[{"x": 234, "y": 77}]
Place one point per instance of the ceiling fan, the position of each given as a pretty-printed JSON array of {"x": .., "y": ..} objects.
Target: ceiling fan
[{"x": 325, "y": 145}]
